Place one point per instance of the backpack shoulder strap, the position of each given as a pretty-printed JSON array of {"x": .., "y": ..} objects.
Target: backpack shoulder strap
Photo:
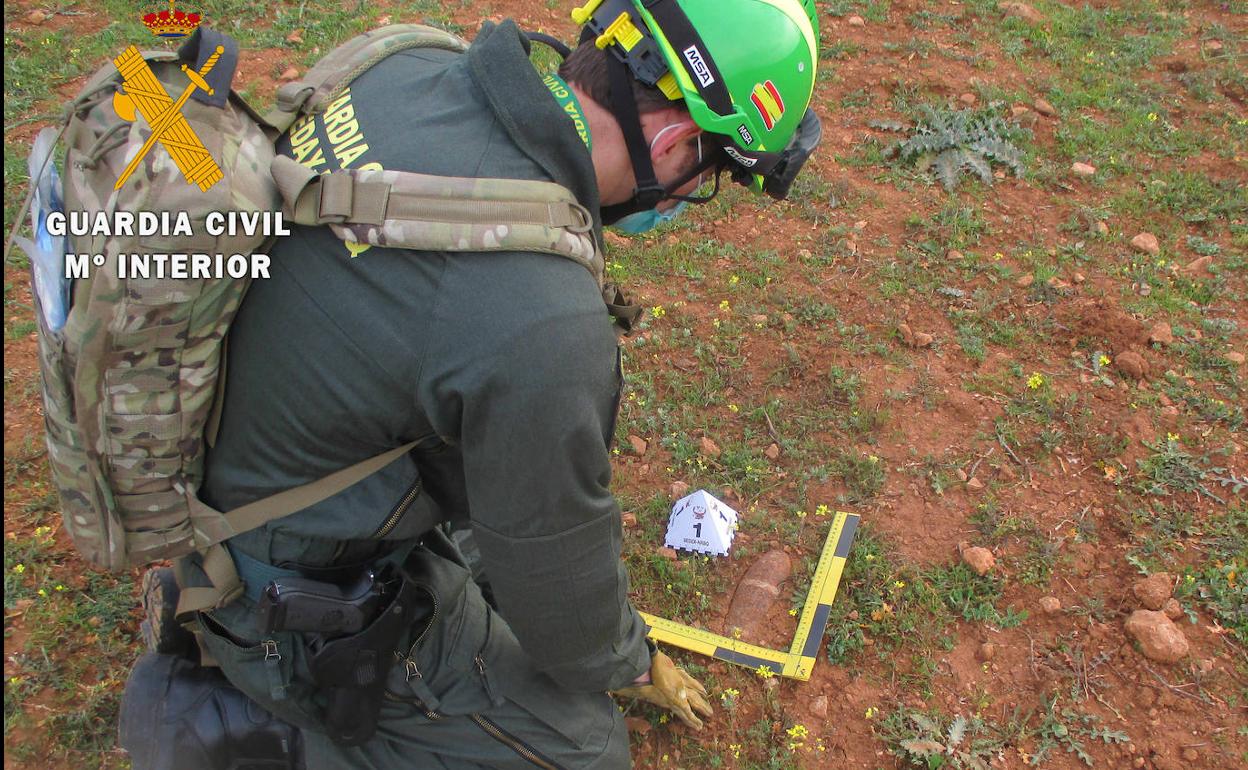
[
  {"x": 403, "y": 209},
  {"x": 348, "y": 61}
]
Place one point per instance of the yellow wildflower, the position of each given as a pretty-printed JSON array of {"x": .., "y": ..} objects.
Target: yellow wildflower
[
  {"x": 765, "y": 672},
  {"x": 798, "y": 731},
  {"x": 19, "y": 568},
  {"x": 657, "y": 311},
  {"x": 1035, "y": 380}
]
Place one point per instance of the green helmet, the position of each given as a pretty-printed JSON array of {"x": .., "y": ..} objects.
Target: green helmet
[{"x": 745, "y": 69}]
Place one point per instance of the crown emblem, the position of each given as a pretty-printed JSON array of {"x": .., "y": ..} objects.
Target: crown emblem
[{"x": 171, "y": 23}]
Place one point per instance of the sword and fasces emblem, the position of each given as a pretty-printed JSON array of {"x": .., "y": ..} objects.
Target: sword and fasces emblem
[{"x": 145, "y": 95}]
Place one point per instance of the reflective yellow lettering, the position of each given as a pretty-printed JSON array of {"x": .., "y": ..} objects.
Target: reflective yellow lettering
[
  {"x": 332, "y": 119},
  {"x": 353, "y": 154},
  {"x": 340, "y": 134}
]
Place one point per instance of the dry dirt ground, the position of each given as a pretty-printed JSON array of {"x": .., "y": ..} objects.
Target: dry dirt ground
[{"x": 997, "y": 367}]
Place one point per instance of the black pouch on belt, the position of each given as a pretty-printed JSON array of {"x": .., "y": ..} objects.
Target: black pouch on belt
[{"x": 351, "y": 671}]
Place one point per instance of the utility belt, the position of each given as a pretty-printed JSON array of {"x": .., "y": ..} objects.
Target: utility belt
[{"x": 349, "y": 621}]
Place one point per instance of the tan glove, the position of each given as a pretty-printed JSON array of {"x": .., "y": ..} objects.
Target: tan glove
[{"x": 672, "y": 688}]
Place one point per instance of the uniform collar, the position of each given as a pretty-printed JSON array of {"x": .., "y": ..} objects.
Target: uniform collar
[{"x": 500, "y": 67}]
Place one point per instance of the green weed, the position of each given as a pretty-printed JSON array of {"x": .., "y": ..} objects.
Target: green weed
[
  {"x": 951, "y": 142},
  {"x": 931, "y": 741}
]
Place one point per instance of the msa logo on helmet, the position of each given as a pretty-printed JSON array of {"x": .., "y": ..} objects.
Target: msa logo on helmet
[
  {"x": 738, "y": 157},
  {"x": 698, "y": 64},
  {"x": 768, "y": 103},
  {"x": 746, "y": 136}
]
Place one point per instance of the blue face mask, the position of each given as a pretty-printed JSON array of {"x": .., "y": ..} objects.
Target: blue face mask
[{"x": 642, "y": 221}]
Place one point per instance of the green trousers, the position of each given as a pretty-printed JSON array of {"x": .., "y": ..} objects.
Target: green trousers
[{"x": 462, "y": 693}]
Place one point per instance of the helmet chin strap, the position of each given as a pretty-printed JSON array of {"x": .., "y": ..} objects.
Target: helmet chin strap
[{"x": 648, "y": 193}]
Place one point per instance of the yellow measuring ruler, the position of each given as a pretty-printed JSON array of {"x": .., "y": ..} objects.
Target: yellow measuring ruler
[{"x": 799, "y": 660}]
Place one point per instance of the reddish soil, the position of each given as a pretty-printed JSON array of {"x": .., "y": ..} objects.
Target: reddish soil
[{"x": 1190, "y": 714}]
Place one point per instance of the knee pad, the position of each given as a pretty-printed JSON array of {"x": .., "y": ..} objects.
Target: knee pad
[{"x": 176, "y": 715}]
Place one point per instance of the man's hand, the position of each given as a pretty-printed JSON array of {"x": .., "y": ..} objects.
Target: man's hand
[{"x": 672, "y": 688}]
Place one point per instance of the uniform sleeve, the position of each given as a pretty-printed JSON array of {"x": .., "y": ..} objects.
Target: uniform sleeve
[{"x": 535, "y": 410}]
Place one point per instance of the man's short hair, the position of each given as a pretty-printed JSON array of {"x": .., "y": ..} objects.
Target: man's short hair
[{"x": 586, "y": 66}]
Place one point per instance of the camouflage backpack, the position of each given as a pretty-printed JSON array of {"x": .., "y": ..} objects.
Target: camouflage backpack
[{"x": 130, "y": 381}]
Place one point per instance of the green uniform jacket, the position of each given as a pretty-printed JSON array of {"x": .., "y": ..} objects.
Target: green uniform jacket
[{"x": 503, "y": 365}]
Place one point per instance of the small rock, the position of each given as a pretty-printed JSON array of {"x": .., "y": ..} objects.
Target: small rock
[
  {"x": 1082, "y": 169},
  {"x": 1205, "y": 665},
  {"x": 288, "y": 74},
  {"x": 1131, "y": 364},
  {"x": 914, "y": 339},
  {"x": 954, "y": 254},
  {"x": 979, "y": 559},
  {"x": 772, "y": 452},
  {"x": 37, "y": 16},
  {"x": 678, "y": 489},
  {"x": 968, "y": 99},
  {"x": 819, "y": 707},
  {"x": 758, "y": 318},
  {"x": 1024, "y": 12},
  {"x": 295, "y": 37},
  {"x": 1079, "y": 278},
  {"x": 629, "y": 520},
  {"x": 1100, "y": 228},
  {"x": 1162, "y": 334},
  {"x": 668, "y": 553},
  {"x": 1200, "y": 265},
  {"x": 1159, "y": 638},
  {"x": 1214, "y": 46},
  {"x": 637, "y": 725},
  {"x": 1190, "y": 754},
  {"x": 1172, "y": 608},
  {"x": 1146, "y": 243},
  {"x": 961, "y": 474},
  {"x": 987, "y": 651},
  {"x": 1235, "y": 357},
  {"x": 710, "y": 448},
  {"x": 974, "y": 483},
  {"x": 1024, "y": 281},
  {"x": 1050, "y": 605},
  {"x": 1045, "y": 109},
  {"x": 757, "y": 591},
  {"x": 856, "y": 21},
  {"x": 1154, "y": 590},
  {"x": 639, "y": 445}
]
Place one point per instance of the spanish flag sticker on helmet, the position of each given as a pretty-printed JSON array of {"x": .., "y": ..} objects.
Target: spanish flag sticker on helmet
[{"x": 768, "y": 102}]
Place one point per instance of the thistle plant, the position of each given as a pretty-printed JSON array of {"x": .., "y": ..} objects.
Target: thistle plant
[{"x": 950, "y": 142}]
